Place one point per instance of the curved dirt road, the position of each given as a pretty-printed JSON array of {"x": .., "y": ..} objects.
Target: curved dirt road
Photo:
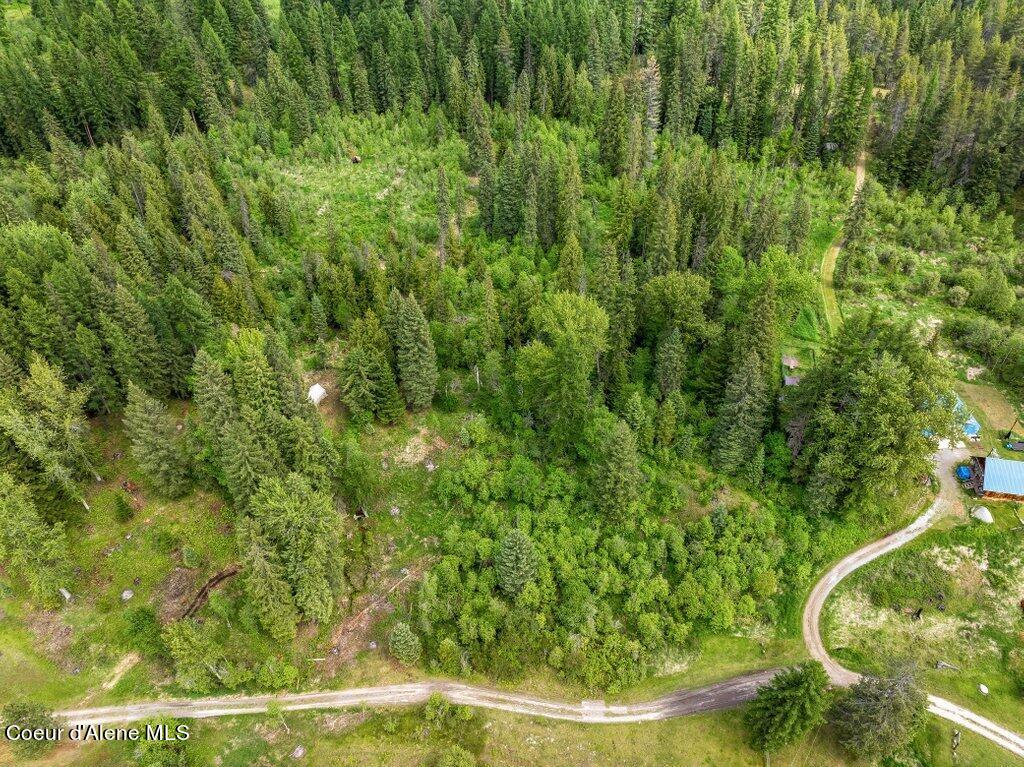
[
  {"x": 715, "y": 697},
  {"x": 947, "y": 501}
]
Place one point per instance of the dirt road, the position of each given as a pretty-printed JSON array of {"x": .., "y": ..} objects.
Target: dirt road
[
  {"x": 946, "y": 502},
  {"x": 728, "y": 694}
]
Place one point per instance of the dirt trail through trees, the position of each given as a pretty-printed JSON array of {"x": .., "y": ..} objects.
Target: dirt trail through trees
[{"x": 833, "y": 316}]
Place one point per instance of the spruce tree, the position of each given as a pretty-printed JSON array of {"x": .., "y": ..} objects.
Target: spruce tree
[
  {"x": 508, "y": 195},
  {"x": 94, "y": 368},
  {"x": 788, "y": 706},
  {"x": 799, "y": 224},
  {"x": 617, "y": 479},
  {"x": 670, "y": 364},
  {"x": 415, "y": 355},
  {"x": 44, "y": 421},
  {"x": 443, "y": 217},
  {"x": 481, "y": 145},
  {"x": 515, "y": 562},
  {"x": 32, "y": 550},
  {"x": 159, "y": 451},
  {"x": 317, "y": 319},
  {"x": 244, "y": 463},
  {"x": 742, "y": 415},
  {"x": 299, "y": 523},
  {"x": 612, "y": 136},
  {"x": 570, "y": 265},
  {"x": 264, "y": 581},
  {"x": 879, "y": 716},
  {"x": 213, "y": 396},
  {"x": 570, "y": 196},
  {"x": 661, "y": 241},
  {"x": 404, "y": 644}
]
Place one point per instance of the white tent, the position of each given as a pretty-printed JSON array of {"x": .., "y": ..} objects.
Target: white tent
[{"x": 316, "y": 394}]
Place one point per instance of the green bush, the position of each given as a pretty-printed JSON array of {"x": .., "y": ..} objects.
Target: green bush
[{"x": 29, "y": 716}]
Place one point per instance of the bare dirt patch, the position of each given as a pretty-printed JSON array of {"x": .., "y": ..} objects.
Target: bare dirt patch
[
  {"x": 175, "y": 593},
  {"x": 354, "y": 632},
  {"x": 54, "y": 637},
  {"x": 419, "y": 448},
  {"x": 330, "y": 408},
  {"x": 122, "y": 668},
  {"x": 343, "y": 721}
]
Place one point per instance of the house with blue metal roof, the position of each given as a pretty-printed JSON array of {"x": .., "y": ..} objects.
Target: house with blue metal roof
[{"x": 1000, "y": 478}]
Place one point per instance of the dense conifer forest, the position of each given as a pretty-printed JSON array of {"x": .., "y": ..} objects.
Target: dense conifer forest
[{"x": 591, "y": 237}]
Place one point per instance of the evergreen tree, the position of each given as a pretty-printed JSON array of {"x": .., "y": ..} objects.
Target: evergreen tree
[
  {"x": 443, "y": 217},
  {"x": 213, "y": 396},
  {"x": 317, "y": 319},
  {"x": 612, "y": 137},
  {"x": 29, "y": 716},
  {"x": 45, "y": 423},
  {"x": 156, "y": 447},
  {"x": 299, "y": 525},
  {"x": 670, "y": 364},
  {"x": 404, "y": 644},
  {"x": 617, "y": 479},
  {"x": 481, "y": 145},
  {"x": 245, "y": 463},
  {"x": 788, "y": 706},
  {"x": 742, "y": 416},
  {"x": 367, "y": 386},
  {"x": 661, "y": 241},
  {"x": 555, "y": 370},
  {"x": 515, "y": 562},
  {"x": 799, "y": 224},
  {"x": 880, "y": 715},
  {"x": 570, "y": 196},
  {"x": 570, "y": 266},
  {"x": 508, "y": 196},
  {"x": 265, "y": 585},
  {"x": 30, "y": 549},
  {"x": 94, "y": 369},
  {"x": 415, "y": 355},
  {"x": 849, "y": 124}
]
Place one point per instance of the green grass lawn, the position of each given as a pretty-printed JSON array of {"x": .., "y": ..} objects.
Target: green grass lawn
[{"x": 994, "y": 412}]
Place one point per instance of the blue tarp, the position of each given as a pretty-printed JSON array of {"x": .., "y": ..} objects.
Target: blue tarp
[
  {"x": 963, "y": 473},
  {"x": 971, "y": 426}
]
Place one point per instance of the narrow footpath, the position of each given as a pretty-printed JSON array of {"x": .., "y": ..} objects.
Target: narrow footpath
[{"x": 833, "y": 317}]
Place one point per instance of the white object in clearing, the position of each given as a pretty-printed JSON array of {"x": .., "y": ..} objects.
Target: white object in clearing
[{"x": 316, "y": 394}]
